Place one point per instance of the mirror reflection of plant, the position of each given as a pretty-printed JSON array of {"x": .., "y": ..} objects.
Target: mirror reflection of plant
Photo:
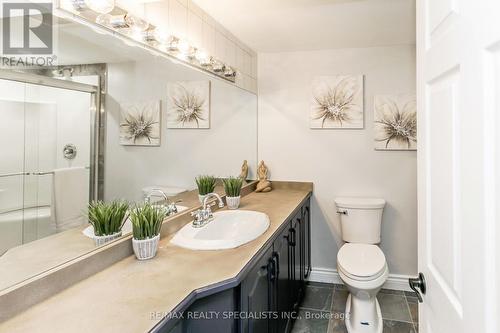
[
  {"x": 232, "y": 186},
  {"x": 206, "y": 184},
  {"x": 139, "y": 127},
  {"x": 189, "y": 107},
  {"x": 337, "y": 104},
  {"x": 147, "y": 220},
  {"x": 107, "y": 218}
]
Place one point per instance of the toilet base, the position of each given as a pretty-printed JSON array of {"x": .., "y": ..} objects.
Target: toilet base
[{"x": 366, "y": 325}]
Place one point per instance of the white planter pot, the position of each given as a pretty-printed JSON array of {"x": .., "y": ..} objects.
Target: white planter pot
[
  {"x": 101, "y": 240},
  {"x": 145, "y": 248},
  {"x": 233, "y": 202},
  {"x": 201, "y": 198}
]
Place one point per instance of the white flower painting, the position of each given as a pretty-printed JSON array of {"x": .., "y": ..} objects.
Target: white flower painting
[
  {"x": 337, "y": 102},
  {"x": 395, "y": 122},
  {"x": 140, "y": 123},
  {"x": 188, "y": 104}
]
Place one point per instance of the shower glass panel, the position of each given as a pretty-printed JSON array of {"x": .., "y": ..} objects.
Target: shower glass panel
[
  {"x": 37, "y": 123},
  {"x": 12, "y": 128}
]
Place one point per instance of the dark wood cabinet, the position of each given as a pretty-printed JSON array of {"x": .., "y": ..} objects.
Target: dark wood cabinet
[
  {"x": 288, "y": 264},
  {"x": 257, "y": 297},
  {"x": 268, "y": 296},
  {"x": 306, "y": 217},
  {"x": 284, "y": 298}
]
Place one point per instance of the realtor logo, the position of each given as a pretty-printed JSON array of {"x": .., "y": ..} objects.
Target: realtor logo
[
  {"x": 27, "y": 28},
  {"x": 28, "y": 34}
]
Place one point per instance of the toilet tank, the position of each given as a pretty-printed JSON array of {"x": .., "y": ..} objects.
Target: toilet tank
[{"x": 360, "y": 219}]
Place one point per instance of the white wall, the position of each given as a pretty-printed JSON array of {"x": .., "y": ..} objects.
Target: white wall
[
  {"x": 184, "y": 153},
  {"x": 340, "y": 162}
]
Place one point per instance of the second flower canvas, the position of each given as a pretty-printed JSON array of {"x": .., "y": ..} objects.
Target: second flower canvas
[
  {"x": 337, "y": 102},
  {"x": 395, "y": 122},
  {"x": 188, "y": 104}
]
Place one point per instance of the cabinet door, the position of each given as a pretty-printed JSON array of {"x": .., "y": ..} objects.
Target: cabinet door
[
  {"x": 284, "y": 299},
  {"x": 295, "y": 257},
  {"x": 257, "y": 296},
  {"x": 306, "y": 213}
]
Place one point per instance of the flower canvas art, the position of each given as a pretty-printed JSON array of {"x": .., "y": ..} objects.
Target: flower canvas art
[
  {"x": 337, "y": 102},
  {"x": 140, "y": 123},
  {"x": 395, "y": 122},
  {"x": 188, "y": 104}
]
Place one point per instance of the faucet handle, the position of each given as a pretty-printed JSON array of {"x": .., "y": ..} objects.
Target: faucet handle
[{"x": 198, "y": 218}]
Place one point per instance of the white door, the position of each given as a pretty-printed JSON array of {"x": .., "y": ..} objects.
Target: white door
[{"x": 458, "y": 80}]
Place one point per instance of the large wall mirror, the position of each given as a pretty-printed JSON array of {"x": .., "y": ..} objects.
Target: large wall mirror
[{"x": 110, "y": 121}]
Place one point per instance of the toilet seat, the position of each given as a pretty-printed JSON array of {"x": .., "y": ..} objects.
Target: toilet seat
[{"x": 361, "y": 262}]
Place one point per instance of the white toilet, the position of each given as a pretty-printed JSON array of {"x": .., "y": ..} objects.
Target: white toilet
[{"x": 361, "y": 263}]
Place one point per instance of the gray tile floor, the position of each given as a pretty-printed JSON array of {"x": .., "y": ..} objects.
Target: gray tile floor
[{"x": 322, "y": 310}]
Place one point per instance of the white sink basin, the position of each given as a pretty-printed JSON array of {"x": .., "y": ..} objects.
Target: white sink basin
[{"x": 228, "y": 230}]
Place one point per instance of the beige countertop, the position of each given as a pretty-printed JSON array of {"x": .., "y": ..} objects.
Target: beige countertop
[
  {"x": 28, "y": 260},
  {"x": 123, "y": 297}
]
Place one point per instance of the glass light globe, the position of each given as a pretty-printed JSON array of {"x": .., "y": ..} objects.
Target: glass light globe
[
  {"x": 136, "y": 23},
  {"x": 101, "y": 6},
  {"x": 162, "y": 35},
  {"x": 203, "y": 58}
]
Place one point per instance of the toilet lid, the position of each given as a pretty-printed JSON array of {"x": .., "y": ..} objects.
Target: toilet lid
[
  {"x": 361, "y": 260},
  {"x": 170, "y": 191}
]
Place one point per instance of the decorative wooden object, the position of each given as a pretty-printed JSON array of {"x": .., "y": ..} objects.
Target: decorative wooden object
[
  {"x": 263, "y": 185},
  {"x": 244, "y": 171}
]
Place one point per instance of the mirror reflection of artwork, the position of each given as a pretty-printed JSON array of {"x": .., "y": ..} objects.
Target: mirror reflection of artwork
[
  {"x": 337, "y": 102},
  {"x": 188, "y": 104},
  {"x": 395, "y": 122},
  {"x": 140, "y": 123}
]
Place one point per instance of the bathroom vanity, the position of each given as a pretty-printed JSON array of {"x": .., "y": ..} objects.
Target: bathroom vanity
[
  {"x": 264, "y": 296},
  {"x": 266, "y": 274}
]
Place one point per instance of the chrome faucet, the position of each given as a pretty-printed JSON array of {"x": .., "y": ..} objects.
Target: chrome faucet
[
  {"x": 147, "y": 199},
  {"x": 171, "y": 206},
  {"x": 204, "y": 215},
  {"x": 208, "y": 196}
]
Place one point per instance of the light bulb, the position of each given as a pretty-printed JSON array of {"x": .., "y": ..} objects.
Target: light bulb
[
  {"x": 101, "y": 6},
  {"x": 136, "y": 22},
  {"x": 185, "y": 50},
  {"x": 229, "y": 72},
  {"x": 104, "y": 19},
  {"x": 203, "y": 58},
  {"x": 172, "y": 44},
  {"x": 78, "y": 5},
  {"x": 161, "y": 35},
  {"x": 217, "y": 66}
]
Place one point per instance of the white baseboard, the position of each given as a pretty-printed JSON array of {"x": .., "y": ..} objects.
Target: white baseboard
[{"x": 327, "y": 275}]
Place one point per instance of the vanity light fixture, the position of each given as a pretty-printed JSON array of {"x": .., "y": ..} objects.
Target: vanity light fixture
[
  {"x": 117, "y": 21},
  {"x": 99, "y": 6},
  {"x": 173, "y": 44},
  {"x": 217, "y": 66},
  {"x": 229, "y": 72},
  {"x": 79, "y": 5},
  {"x": 161, "y": 35},
  {"x": 136, "y": 23},
  {"x": 203, "y": 58},
  {"x": 186, "y": 51},
  {"x": 149, "y": 36},
  {"x": 132, "y": 29}
]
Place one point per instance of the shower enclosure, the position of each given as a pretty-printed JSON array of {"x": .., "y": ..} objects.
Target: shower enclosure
[{"x": 46, "y": 124}]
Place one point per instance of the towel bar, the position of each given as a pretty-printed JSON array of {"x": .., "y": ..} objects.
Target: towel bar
[{"x": 30, "y": 173}]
